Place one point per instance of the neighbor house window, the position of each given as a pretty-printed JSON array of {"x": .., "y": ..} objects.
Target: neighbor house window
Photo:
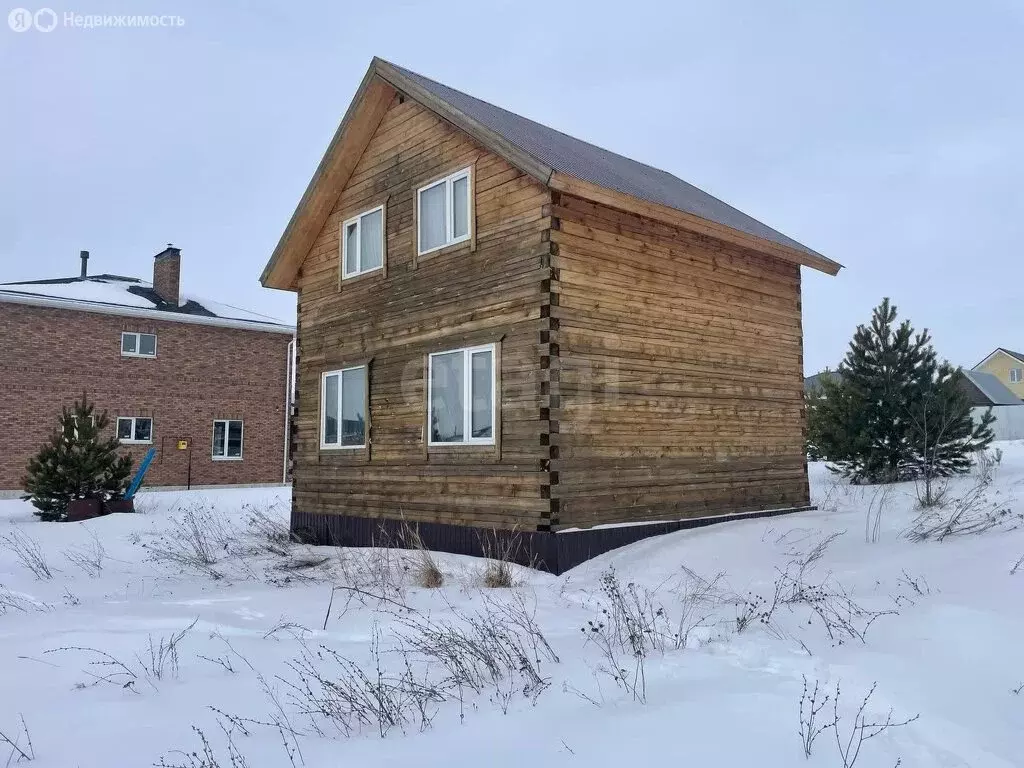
[
  {"x": 135, "y": 429},
  {"x": 227, "y": 439},
  {"x": 443, "y": 211},
  {"x": 461, "y": 396},
  {"x": 343, "y": 408},
  {"x": 92, "y": 420},
  {"x": 362, "y": 243},
  {"x": 138, "y": 345},
  {"x": 1016, "y": 375}
]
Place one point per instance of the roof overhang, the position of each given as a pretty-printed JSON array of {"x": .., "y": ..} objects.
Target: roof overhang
[
  {"x": 380, "y": 84},
  {"x": 150, "y": 314}
]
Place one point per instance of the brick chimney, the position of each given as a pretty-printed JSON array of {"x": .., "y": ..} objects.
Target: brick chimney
[
  {"x": 167, "y": 274},
  {"x": 85, "y": 264}
]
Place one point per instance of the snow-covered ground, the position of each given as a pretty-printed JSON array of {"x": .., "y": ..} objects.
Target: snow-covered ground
[{"x": 941, "y": 622}]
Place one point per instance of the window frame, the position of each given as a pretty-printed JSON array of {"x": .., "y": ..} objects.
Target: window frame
[
  {"x": 324, "y": 446},
  {"x": 227, "y": 427},
  {"x": 467, "y": 399},
  {"x": 134, "y": 420},
  {"x": 449, "y": 208},
  {"x": 92, "y": 419},
  {"x": 138, "y": 344},
  {"x": 1019, "y": 372},
  {"x": 358, "y": 220}
]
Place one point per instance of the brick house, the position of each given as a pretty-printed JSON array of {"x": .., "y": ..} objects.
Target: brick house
[{"x": 204, "y": 383}]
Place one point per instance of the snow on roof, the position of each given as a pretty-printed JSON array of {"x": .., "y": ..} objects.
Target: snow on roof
[
  {"x": 129, "y": 294},
  {"x": 93, "y": 289}
]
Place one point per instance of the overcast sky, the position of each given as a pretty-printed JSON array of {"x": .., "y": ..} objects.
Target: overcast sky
[{"x": 888, "y": 136}]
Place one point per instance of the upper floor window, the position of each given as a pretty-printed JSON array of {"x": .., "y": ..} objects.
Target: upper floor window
[
  {"x": 461, "y": 396},
  {"x": 138, "y": 345},
  {"x": 227, "y": 439},
  {"x": 362, "y": 243},
  {"x": 443, "y": 211},
  {"x": 343, "y": 406},
  {"x": 135, "y": 429},
  {"x": 1016, "y": 375}
]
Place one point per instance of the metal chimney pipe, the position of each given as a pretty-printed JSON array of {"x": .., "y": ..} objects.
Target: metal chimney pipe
[{"x": 85, "y": 264}]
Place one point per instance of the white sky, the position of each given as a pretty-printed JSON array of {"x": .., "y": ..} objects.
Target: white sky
[{"x": 887, "y": 136}]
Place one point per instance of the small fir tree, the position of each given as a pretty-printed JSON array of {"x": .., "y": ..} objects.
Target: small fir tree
[
  {"x": 894, "y": 412},
  {"x": 76, "y": 463}
]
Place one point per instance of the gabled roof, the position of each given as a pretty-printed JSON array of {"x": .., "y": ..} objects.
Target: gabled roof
[
  {"x": 118, "y": 295},
  {"x": 1016, "y": 355},
  {"x": 991, "y": 389},
  {"x": 551, "y": 157}
]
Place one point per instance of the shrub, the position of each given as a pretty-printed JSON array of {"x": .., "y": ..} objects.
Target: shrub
[{"x": 76, "y": 463}]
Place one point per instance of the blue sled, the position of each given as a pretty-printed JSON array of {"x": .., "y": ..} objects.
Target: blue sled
[{"x": 137, "y": 480}]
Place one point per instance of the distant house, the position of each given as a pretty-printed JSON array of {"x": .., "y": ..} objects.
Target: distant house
[
  {"x": 504, "y": 326},
  {"x": 812, "y": 384},
  {"x": 1007, "y": 366},
  {"x": 985, "y": 391},
  {"x": 204, "y": 383}
]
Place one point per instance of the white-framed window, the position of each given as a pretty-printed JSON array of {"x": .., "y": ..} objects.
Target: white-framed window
[
  {"x": 461, "y": 396},
  {"x": 362, "y": 243},
  {"x": 138, "y": 344},
  {"x": 92, "y": 420},
  {"x": 1016, "y": 375},
  {"x": 227, "y": 439},
  {"x": 343, "y": 404},
  {"x": 135, "y": 429},
  {"x": 443, "y": 211}
]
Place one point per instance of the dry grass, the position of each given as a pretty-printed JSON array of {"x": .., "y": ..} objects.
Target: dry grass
[
  {"x": 425, "y": 569},
  {"x": 497, "y": 574},
  {"x": 501, "y": 553}
]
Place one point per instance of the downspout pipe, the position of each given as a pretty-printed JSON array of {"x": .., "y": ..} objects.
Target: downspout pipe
[{"x": 289, "y": 398}]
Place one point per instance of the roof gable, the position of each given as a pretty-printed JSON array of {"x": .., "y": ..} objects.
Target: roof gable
[
  {"x": 1018, "y": 356},
  {"x": 551, "y": 157}
]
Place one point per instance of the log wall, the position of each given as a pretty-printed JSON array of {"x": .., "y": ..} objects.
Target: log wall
[
  {"x": 680, "y": 372},
  {"x": 490, "y": 289}
]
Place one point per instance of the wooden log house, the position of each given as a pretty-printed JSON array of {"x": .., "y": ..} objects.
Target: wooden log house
[{"x": 504, "y": 327}]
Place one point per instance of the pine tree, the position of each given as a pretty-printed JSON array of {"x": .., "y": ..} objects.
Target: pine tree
[
  {"x": 76, "y": 463},
  {"x": 893, "y": 411}
]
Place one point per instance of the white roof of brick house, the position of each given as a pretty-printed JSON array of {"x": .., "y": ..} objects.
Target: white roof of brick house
[{"x": 114, "y": 294}]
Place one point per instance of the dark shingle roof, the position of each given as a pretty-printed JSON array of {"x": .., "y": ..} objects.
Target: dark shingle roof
[
  {"x": 1018, "y": 355},
  {"x": 590, "y": 163}
]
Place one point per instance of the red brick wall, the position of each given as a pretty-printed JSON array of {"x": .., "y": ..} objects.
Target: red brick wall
[{"x": 48, "y": 357}]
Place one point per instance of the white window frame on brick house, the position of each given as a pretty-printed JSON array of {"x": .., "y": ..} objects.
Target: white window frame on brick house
[
  {"x": 137, "y": 345},
  {"x": 357, "y": 222},
  {"x": 338, "y": 445},
  {"x": 1016, "y": 375},
  {"x": 222, "y": 455},
  {"x": 467, "y": 395},
  {"x": 92, "y": 420},
  {"x": 134, "y": 430},
  {"x": 451, "y": 237}
]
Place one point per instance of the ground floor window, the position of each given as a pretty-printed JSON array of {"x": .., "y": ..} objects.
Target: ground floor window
[
  {"x": 343, "y": 408},
  {"x": 227, "y": 438},
  {"x": 135, "y": 429},
  {"x": 461, "y": 396}
]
